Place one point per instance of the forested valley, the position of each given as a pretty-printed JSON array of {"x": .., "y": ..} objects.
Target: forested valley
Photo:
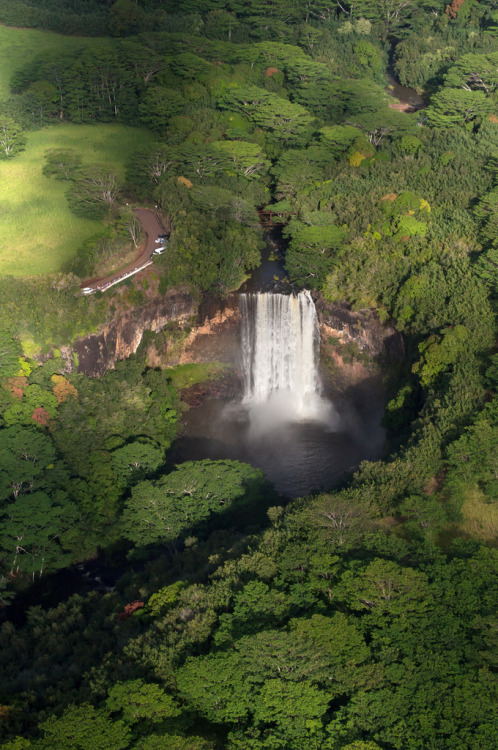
[{"x": 363, "y": 618}]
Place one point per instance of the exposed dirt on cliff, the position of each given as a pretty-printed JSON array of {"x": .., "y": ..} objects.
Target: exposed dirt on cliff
[
  {"x": 362, "y": 328},
  {"x": 122, "y": 336},
  {"x": 216, "y": 338},
  {"x": 354, "y": 344}
]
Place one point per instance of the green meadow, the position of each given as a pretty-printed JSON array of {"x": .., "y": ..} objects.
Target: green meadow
[{"x": 38, "y": 232}]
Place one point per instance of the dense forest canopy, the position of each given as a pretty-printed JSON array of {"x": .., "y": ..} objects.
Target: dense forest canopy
[{"x": 358, "y": 619}]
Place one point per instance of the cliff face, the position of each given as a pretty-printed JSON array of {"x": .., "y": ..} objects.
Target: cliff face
[
  {"x": 362, "y": 328},
  {"x": 217, "y": 335},
  {"x": 121, "y": 338}
]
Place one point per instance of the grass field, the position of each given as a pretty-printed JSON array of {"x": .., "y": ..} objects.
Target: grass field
[
  {"x": 19, "y": 46},
  {"x": 38, "y": 232},
  {"x": 479, "y": 521},
  {"x": 184, "y": 376}
]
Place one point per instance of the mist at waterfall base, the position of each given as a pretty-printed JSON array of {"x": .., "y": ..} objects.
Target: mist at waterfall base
[
  {"x": 283, "y": 424},
  {"x": 280, "y": 338}
]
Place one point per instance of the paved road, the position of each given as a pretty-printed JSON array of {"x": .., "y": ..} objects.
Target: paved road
[{"x": 152, "y": 228}]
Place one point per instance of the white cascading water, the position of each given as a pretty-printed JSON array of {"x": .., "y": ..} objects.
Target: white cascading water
[{"x": 280, "y": 342}]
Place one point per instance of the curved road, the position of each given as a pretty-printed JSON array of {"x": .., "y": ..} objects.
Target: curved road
[{"x": 152, "y": 228}]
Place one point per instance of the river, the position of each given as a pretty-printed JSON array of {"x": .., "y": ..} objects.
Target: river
[{"x": 404, "y": 94}]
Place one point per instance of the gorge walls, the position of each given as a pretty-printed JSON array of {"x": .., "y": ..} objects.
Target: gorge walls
[
  {"x": 121, "y": 337},
  {"x": 211, "y": 331}
]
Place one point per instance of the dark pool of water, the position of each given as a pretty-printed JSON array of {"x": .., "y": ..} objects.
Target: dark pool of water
[
  {"x": 297, "y": 456},
  {"x": 404, "y": 93}
]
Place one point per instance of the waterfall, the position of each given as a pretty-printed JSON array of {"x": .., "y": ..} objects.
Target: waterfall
[{"x": 280, "y": 342}]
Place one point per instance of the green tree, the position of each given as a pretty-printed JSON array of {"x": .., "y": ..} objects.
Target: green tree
[
  {"x": 285, "y": 121},
  {"x": 339, "y": 137},
  {"x": 172, "y": 741},
  {"x": 215, "y": 687},
  {"x": 487, "y": 212},
  {"x": 474, "y": 72},
  {"x": 440, "y": 352},
  {"x": 137, "y": 700},
  {"x": 158, "y": 105},
  {"x": 94, "y": 192},
  {"x": 472, "y": 458},
  {"x": 27, "y": 411},
  {"x": 385, "y": 587},
  {"x": 310, "y": 250},
  {"x": 163, "y": 510},
  {"x": 125, "y": 17},
  {"x": 128, "y": 225},
  {"x": 136, "y": 459},
  {"x": 12, "y": 139},
  {"x": 27, "y": 460},
  {"x": 61, "y": 163},
  {"x": 450, "y": 107},
  {"x": 84, "y": 728},
  {"x": 292, "y": 711},
  {"x": 34, "y": 530},
  {"x": 341, "y": 645},
  {"x": 393, "y": 14},
  {"x": 248, "y": 159},
  {"x": 425, "y": 516}
]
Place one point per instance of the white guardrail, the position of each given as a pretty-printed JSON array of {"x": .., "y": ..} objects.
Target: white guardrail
[{"x": 108, "y": 284}]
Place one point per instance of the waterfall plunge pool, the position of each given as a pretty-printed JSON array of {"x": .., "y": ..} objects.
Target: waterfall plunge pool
[{"x": 284, "y": 424}]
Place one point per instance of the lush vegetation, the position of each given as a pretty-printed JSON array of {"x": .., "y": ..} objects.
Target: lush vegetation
[
  {"x": 360, "y": 619},
  {"x": 39, "y": 231}
]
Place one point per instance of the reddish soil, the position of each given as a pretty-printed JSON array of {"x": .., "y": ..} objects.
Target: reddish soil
[
  {"x": 402, "y": 106},
  {"x": 452, "y": 10}
]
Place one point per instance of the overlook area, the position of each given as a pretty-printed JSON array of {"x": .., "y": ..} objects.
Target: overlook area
[{"x": 248, "y": 494}]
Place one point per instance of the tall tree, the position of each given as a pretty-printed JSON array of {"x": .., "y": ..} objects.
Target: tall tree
[
  {"x": 450, "y": 107},
  {"x": 94, "y": 192},
  {"x": 12, "y": 138}
]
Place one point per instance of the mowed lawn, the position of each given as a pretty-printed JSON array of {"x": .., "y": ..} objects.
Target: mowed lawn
[{"x": 38, "y": 232}]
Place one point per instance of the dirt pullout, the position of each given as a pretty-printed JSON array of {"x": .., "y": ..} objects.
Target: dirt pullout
[{"x": 152, "y": 227}]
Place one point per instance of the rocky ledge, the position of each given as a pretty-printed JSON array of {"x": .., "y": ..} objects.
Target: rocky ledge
[
  {"x": 228, "y": 387},
  {"x": 362, "y": 327},
  {"x": 122, "y": 336}
]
